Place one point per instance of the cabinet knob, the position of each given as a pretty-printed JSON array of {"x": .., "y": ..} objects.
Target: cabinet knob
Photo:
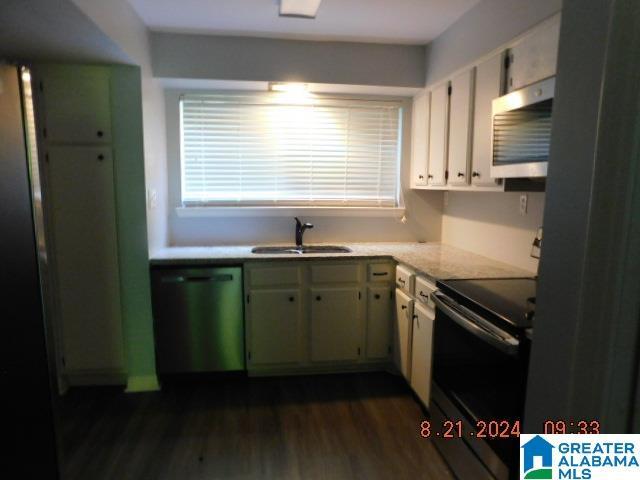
[
  {"x": 429, "y": 176},
  {"x": 421, "y": 177},
  {"x": 460, "y": 174},
  {"x": 101, "y": 157},
  {"x": 100, "y": 133},
  {"x": 318, "y": 298},
  {"x": 404, "y": 307},
  {"x": 377, "y": 296},
  {"x": 292, "y": 299},
  {"x": 475, "y": 174}
]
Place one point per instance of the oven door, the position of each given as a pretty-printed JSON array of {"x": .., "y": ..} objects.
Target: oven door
[
  {"x": 479, "y": 370},
  {"x": 521, "y": 133}
]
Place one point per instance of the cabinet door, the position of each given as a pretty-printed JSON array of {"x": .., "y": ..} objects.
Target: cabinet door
[
  {"x": 460, "y": 128},
  {"x": 335, "y": 324},
  {"x": 438, "y": 135},
  {"x": 77, "y": 105},
  {"x": 535, "y": 57},
  {"x": 82, "y": 208},
  {"x": 274, "y": 326},
  {"x": 489, "y": 80},
  {"x": 402, "y": 333},
  {"x": 421, "y": 352},
  {"x": 379, "y": 316},
  {"x": 420, "y": 139}
]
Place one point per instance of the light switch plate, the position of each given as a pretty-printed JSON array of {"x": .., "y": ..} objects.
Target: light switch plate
[
  {"x": 524, "y": 201},
  {"x": 152, "y": 198}
]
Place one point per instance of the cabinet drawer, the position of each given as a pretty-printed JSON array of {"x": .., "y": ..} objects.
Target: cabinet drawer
[
  {"x": 380, "y": 272},
  {"x": 273, "y": 276},
  {"x": 335, "y": 273},
  {"x": 424, "y": 288},
  {"x": 405, "y": 278}
]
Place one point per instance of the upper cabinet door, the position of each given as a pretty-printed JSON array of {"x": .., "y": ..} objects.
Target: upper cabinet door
[
  {"x": 420, "y": 139},
  {"x": 489, "y": 85},
  {"x": 438, "y": 135},
  {"x": 460, "y": 127},
  {"x": 77, "y": 106},
  {"x": 535, "y": 56}
]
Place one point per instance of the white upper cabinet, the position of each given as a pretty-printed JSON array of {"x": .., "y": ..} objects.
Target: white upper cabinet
[
  {"x": 489, "y": 80},
  {"x": 420, "y": 138},
  {"x": 77, "y": 105},
  {"x": 535, "y": 56},
  {"x": 458, "y": 121},
  {"x": 438, "y": 135},
  {"x": 460, "y": 127}
]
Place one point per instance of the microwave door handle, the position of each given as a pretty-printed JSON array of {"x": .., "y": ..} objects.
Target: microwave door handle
[{"x": 508, "y": 345}]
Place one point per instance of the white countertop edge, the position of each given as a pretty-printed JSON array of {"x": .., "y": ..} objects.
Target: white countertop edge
[{"x": 445, "y": 265}]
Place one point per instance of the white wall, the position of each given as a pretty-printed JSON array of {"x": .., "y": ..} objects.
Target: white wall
[
  {"x": 489, "y": 223},
  {"x": 121, "y": 23},
  {"x": 423, "y": 217},
  {"x": 268, "y": 59}
]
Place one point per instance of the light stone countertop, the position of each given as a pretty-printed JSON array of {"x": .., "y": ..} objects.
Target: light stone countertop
[{"x": 435, "y": 260}]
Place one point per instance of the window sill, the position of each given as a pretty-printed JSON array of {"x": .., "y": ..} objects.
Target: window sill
[{"x": 187, "y": 212}]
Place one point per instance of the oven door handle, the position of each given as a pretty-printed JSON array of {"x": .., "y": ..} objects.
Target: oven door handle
[{"x": 492, "y": 335}]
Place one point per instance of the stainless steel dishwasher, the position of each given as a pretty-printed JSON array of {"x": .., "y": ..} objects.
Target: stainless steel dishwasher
[{"x": 198, "y": 319}]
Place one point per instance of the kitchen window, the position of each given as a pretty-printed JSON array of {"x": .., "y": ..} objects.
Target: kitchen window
[{"x": 257, "y": 150}]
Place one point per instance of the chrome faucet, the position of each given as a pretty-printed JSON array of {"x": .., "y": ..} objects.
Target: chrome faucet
[{"x": 300, "y": 228}]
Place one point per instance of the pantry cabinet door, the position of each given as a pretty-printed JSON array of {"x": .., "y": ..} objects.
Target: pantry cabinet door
[
  {"x": 85, "y": 257},
  {"x": 77, "y": 105},
  {"x": 488, "y": 85},
  {"x": 438, "y": 135},
  {"x": 460, "y": 128},
  {"x": 420, "y": 139}
]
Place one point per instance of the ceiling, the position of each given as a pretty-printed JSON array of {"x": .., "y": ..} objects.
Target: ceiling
[
  {"x": 413, "y": 22},
  {"x": 53, "y": 30}
]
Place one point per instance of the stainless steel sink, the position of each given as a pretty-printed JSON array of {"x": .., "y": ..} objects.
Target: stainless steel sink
[{"x": 292, "y": 249}]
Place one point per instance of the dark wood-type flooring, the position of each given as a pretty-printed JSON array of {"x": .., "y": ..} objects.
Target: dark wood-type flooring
[{"x": 352, "y": 426}]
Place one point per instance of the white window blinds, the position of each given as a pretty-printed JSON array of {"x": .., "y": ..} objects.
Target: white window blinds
[{"x": 244, "y": 149}]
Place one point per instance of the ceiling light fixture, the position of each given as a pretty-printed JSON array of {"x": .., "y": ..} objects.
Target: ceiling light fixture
[
  {"x": 299, "y": 88},
  {"x": 299, "y": 8}
]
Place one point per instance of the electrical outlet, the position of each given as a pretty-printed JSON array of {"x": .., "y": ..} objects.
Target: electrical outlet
[{"x": 524, "y": 201}]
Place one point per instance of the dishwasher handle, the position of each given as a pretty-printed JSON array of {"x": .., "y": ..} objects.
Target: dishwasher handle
[{"x": 227, "y": 277}]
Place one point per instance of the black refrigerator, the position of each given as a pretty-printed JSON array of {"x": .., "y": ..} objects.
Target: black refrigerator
[{"x": 27, "y": 417}]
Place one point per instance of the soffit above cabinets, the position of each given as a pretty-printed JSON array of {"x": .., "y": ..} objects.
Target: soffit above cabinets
[
  {"x": 414, "y": 22},
  {"x": 257, "y": 86}
]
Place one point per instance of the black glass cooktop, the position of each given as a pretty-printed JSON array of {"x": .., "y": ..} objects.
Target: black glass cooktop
[{"x": 510, "y": 299}]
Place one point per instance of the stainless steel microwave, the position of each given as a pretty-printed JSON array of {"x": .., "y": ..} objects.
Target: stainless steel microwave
[{"x": 521, "y": 133}]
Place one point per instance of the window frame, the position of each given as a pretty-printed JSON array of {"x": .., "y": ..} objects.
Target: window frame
[{"x": 211, "y": 209}]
